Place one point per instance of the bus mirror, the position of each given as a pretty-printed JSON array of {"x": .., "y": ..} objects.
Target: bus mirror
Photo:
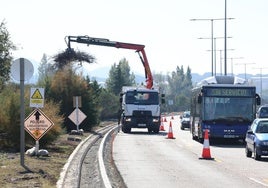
[
  {"x": 199, "y": 99},
  {"x": 121, "y": 98},
  {"x": 258, "y": 99},
  {"x": 163, "y": 101}
]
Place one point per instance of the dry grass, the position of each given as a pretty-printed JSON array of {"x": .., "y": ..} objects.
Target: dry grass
[{"x": 44, "y": 171}]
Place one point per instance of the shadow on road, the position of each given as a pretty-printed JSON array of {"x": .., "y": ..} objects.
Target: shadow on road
[
  {"x": 147, "y": 133},
  {"x": 226, "y": 143}
]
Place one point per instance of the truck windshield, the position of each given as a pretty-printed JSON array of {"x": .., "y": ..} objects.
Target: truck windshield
[{"x": 142, "y": 98}]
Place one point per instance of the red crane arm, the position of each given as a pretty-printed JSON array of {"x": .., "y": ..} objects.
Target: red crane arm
[{"x": 105, "y": 42}]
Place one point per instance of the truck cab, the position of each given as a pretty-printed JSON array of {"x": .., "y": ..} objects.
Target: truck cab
[{"x": 140, "y": 109}]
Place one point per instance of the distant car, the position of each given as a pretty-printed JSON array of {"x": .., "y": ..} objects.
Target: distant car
[
  {"x": 185, "y": 120},
  {"x": 257, "y": 138},
  {"x": 262, "y": 111}
]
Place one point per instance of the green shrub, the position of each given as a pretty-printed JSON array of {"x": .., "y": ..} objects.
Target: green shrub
[{"x": 10, "y": 119}]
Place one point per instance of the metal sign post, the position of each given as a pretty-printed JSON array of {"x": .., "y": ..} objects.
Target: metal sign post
[
  {"x": 36, "y": 147},
  {"x": 22, "y": 113},
  {"x": 77, "y": 113},
  {"x": 77, "y": 116},
  {"x": 22, "y": 70}
]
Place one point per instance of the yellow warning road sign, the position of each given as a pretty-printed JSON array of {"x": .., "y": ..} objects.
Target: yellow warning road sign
[
  {"x": 37, "y": 97},
  {"x": 37, "y": 94},
  {"x": 37, "y": 124}
]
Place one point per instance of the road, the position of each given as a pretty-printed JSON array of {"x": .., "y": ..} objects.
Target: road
[{"x": 153, "y": 160}]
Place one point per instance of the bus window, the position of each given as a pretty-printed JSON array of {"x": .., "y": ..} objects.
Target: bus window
[{"x": 209, "y": 108}]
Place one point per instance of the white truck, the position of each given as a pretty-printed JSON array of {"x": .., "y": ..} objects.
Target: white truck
[{"x": 140, "y": 108}]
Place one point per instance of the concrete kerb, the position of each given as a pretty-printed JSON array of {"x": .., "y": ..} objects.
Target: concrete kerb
[
  {"x": 104, "y": 176},
  {"x": 60, "y": 182}
]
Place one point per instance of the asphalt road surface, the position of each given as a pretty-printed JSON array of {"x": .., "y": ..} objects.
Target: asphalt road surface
[{"x": 153, "y": 160}]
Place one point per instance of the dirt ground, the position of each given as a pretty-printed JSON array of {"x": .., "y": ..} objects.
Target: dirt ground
[{"x": 41, "y": 171}]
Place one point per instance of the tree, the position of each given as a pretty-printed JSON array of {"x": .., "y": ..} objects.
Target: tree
[
  {"x": 66, "y": 83},
  {"x": 10, "y": 118},
  {"x": 45, "y": 69},
  {"x": 5, "y": 55},
  {"x": 180, "y": 85},
  {"x": 109, "y": 105},
  {"x": 64, "y": 86},
  {"x": 119, "y": 76},
  {"x": 160, "y": 82}
]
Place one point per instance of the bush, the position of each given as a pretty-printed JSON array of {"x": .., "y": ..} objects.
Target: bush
[
  {"x": 52, "y": 112},
  {"x": 10, "y": 119}
]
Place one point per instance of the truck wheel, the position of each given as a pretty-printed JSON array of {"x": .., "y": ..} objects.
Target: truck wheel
[
  {"x": 125, "y": 129},
  {"x": 128, "y": 130},
  {"x": 199, "y": 139}
]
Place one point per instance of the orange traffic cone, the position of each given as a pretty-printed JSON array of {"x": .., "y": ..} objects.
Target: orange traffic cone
[
  {"x": 170, "y": 132},
  {"x": 162, "y": 126},
  {"x": 165, "y": 119},
  {"x": 206, "y": 149}
]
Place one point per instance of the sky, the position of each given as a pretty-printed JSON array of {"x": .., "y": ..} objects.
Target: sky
[{"x": 39, "y": 27}]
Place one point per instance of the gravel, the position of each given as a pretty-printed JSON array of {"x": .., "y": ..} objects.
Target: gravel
[{"x": 90, "y": 171}]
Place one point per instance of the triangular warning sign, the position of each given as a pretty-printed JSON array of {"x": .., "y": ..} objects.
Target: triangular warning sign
[{"x": 37, "y": 95}]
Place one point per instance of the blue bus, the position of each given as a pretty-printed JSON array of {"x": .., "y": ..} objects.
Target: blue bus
[{"x": 225, "y": 105}]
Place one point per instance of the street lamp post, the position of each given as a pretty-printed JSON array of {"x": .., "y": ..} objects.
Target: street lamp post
[
  {"x": 245, "y": 66},
  {"x": 211, "y": 20},
  {"x": 261, "y": 78},
  {"x": 222, "y": 58},
  {"x": 232, "y": 58},
  {"x": 225, "y": 37},
  {"x": 214, "y": 49}
]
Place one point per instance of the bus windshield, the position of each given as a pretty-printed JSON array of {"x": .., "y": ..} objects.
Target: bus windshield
[
  {"x": 142, "y": 98},
  {"x": 224, "y": 108}
]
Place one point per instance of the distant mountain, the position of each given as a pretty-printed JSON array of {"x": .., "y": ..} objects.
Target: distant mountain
[
  {"x": 198, "y": 77},
  {"x": 101, "y": 74}
]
